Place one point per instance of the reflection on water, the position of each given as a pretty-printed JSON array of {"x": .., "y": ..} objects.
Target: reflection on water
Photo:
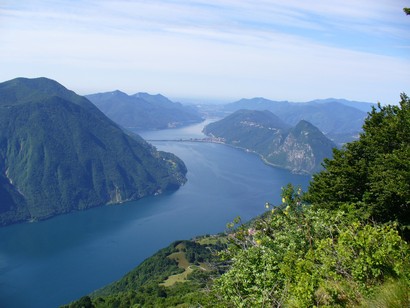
[{"x": 193, "y": 131}]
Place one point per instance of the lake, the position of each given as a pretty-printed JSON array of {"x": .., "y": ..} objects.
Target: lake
[{"x": 52, "y": 262}]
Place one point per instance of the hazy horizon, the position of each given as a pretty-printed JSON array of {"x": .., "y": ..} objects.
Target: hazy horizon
[{"x": 220, "y": 50}]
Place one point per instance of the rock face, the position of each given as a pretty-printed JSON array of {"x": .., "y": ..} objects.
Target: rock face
[
  {"x": 300, "y": 149},
  {"x": 143, "y": 111},
  {"x": 59, "y": 153}
]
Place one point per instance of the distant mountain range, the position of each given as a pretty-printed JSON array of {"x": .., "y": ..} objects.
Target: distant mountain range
[
  {"x": 59, "y": 153},
  {"x": 300, "y": 148},
  {"x": 340, "y": 120},
  {"x": 143, "y": 111},
  {"x": 363, "y": 106}
]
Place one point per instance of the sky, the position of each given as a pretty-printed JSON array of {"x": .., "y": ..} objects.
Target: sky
[{"x": 296, "y": 50}]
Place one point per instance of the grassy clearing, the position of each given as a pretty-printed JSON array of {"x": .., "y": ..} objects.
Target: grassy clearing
[
  {"x": 177, "y": 278},
  {"x": 182, "y": 263},
  {"x": 180, "y": 257}
]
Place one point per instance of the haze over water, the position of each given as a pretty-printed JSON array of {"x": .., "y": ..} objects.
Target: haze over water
[{"x": 53, "y": 262}]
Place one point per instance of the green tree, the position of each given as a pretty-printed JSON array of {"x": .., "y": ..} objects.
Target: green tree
[
  {"x": 372, "y": 173},
  {"x": 298, "y": 256},
  {"x": 83, "y": 302}
]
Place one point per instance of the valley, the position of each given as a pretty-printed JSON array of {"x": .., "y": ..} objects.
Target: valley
[
  {"x": 107, "y": 242},
  {"x": 204, "y": 154},
  {"x": 221, "y": 183}
]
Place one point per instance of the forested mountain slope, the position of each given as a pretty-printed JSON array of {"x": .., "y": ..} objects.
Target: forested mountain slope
[
  {"x": 59, "y": 153},
  {"x": 143, "y": 111},
  {"x": 300, "y": 149}
]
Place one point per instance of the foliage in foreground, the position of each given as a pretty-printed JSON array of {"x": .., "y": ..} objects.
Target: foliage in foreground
[
  {"x": 372, "y": 173},
  {"x": 302, "y": 257}
]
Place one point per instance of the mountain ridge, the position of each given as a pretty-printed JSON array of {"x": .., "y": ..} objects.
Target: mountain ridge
[
  {"x": 300, "y": 148},
  {"x": 143, "y": 111},
  {"x": 59, "y": 153},
  {"x": 336, "y": 118}
]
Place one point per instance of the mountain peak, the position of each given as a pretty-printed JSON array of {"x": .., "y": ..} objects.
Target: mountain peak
[
  {"x": 23, "y": 90},
  {"x": 153, "y": 98},
  {"x": 38, "y": 84},
  {"x": 118, "y": 92}
]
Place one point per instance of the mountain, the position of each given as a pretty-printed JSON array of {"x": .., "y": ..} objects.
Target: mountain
[
  {"x": 59, "y": 153},
  {"x": 300, "y": 149},
  {"x": 363, "y": 106},
  {"x": 143, "y": 111},
  {"x": 338, "y": 121}
]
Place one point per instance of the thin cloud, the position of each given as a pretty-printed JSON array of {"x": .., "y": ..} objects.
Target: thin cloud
[{"x": 349, "y": 49}]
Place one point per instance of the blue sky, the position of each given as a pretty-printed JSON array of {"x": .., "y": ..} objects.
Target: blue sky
[{"x": 282, "y": 50}]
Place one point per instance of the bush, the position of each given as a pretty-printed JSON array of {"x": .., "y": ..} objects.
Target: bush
[{"x": 298, "y": 256}]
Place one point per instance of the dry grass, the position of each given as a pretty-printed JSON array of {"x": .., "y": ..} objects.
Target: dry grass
[{"x": 182, "y": 263}]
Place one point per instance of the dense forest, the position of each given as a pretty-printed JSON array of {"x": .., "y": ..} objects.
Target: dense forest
[
  {"x": 59, "y": 153},
  {"x": 343, "y": 243}
]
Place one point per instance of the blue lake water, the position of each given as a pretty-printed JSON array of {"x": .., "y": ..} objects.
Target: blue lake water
[{"x": 50, "y": 263}]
